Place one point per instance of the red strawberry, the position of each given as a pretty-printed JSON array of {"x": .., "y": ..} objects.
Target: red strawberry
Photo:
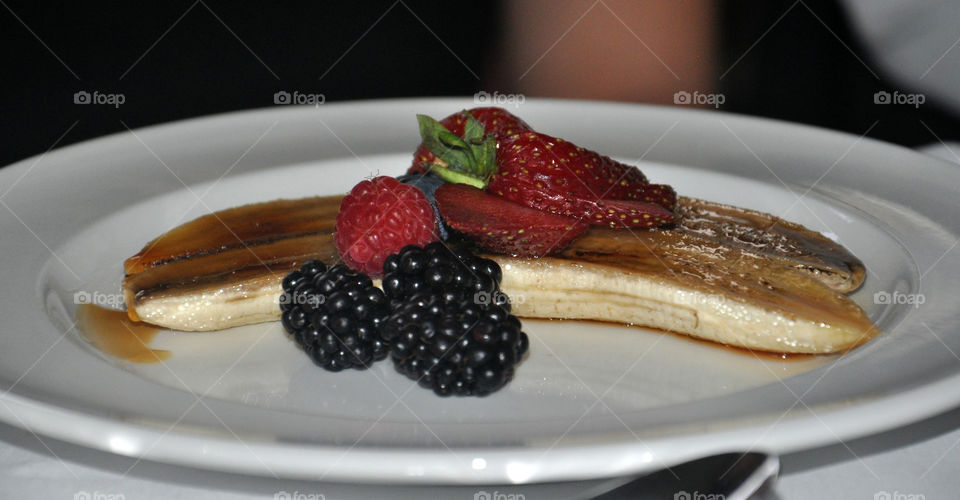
[
  {"x": 378, "y": 218},
  {"x": 605, "y": 212},
  {"x": 496, "y": 121},
  {"x": 661, "y": 194},
  {"x": 556, "y": 176},
  {"x": 501, "y": 226}
]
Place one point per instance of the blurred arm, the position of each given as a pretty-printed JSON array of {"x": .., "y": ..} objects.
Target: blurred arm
[{"x": 613, "y": 49}]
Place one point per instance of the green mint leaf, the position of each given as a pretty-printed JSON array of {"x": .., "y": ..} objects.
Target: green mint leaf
[
  {"x": 445, "y": 145},
  {"x": 469, "y": 160},
  {"x": 457, "y": 177},
  {"x": 473, "y": 130},
  {"x": 486, "y": 157}
]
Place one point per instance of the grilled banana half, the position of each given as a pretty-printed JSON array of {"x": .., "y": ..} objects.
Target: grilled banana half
[{"x": 721, "y": 273}]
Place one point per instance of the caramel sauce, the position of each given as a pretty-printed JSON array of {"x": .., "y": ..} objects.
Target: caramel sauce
[
  {"x": 239, "y": 227},
  {"x": 114, "y": 333},
  {"x": 787, "y": 242},
  {"x": 281, "y": 255}
]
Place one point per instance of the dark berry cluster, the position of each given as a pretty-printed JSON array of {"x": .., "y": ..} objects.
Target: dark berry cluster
[
  {"x": 437, "y": 269},
  {"x": 441, "y": 317},
  {"x": 449, "y": 330},
  {"x": 453, "y": 345},
  {"x": 335, "y": 315}
]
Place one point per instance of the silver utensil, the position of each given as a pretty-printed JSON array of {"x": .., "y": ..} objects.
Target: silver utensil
[{"x": 731, "y": 476}]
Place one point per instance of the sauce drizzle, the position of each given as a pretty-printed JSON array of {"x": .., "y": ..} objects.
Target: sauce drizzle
[{"x": 113, "y": 332}]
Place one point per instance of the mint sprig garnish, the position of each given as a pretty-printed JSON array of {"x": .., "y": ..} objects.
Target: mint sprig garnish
[{"x": 470, "y": 159}]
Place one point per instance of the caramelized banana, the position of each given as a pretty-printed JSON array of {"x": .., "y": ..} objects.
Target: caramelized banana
[{"x": 721, "y": 273}]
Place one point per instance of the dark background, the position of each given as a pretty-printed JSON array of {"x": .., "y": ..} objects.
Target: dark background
[
  {"x": 802, "y": 72},
  {"x": 174, "y": 60}
]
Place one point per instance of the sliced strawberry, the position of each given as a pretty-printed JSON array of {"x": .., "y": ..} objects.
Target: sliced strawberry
[
  {"x": 550, "y": 164},
  {"x": 625, "y": 213},
  {"x": 604, "y": 212},
  {"x": 557, "y": 176},
  {"x": 501, "y": 226},
  {"x": 660, "y": 194},
  {"x": 554, "y": 165},
  {"x": 496, "y": 121},
  {"x": 548, "y": 174}
]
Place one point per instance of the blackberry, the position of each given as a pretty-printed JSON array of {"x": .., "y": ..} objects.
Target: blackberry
[
  {"x": 455, "y": 347},
  {"x": 438, "y": 269},
  {"x": 441, "y": 317},
  {"x": 335, "y": 315}
]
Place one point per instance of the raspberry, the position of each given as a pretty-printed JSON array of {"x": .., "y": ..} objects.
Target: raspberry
[{"x": 378, "y": 218}]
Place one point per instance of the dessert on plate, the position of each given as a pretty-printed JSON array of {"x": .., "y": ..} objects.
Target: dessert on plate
[{"x": 495, "y": 221}]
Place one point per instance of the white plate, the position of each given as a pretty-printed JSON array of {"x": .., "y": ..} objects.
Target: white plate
[{"x": 591, "y": 400}]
